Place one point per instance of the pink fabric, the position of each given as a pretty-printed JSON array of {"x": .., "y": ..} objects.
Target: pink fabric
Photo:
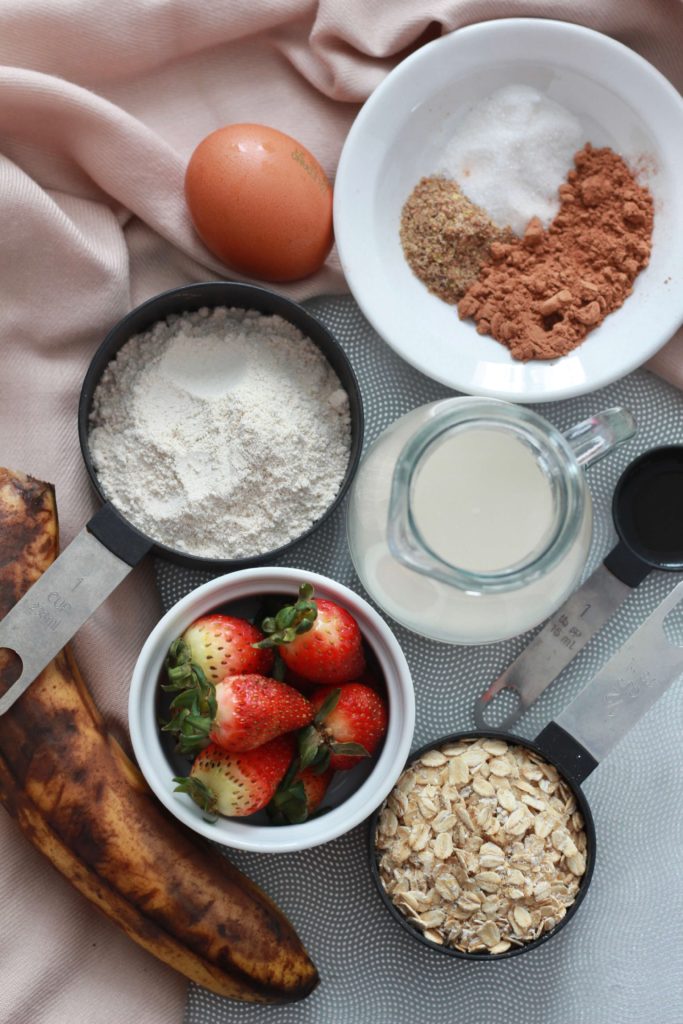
[{"x": 101, "y": 104}]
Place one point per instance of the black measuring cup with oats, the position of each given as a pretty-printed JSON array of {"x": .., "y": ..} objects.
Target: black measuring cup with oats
[
  {"x": 532, "y": 869},
  {"x": 109, "y": 546}
]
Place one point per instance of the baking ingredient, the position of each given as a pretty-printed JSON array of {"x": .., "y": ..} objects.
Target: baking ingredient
[
  {"x": 349, "y": 723},
  {"x": 424, "y": 603},
  {"x": 511, "y": 152},
  {"x": 82, "y": 803},
  {"x": 239, "y": 713},
  {"x": 260, "y": 201},
  {"x": 220, "y": 433},
  {"x": 481, "y": 845},
  {"x": 317, "y": 639},
  {"x": 542, "y": 295},
  {"x": 222, "y": 646},
  {"x": 445, "y": 237},
  {"x": 299, "y": 794},
  {"x": 480, "y": 500},
  {"x": 237, "y": 784}
]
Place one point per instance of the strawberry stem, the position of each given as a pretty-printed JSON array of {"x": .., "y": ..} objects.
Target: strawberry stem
[{"x": 290, "y": 621}]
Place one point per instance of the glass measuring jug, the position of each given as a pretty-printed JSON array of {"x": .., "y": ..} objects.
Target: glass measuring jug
[{"x": 470, "y": 519}]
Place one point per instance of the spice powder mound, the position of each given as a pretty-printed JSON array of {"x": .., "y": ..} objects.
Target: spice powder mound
[
  {"x": 542, "y": 294},
  {"x": 446, "y": 238}
]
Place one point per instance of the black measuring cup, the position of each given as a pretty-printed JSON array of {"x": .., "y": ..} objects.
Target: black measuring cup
[
  {"x": 576, "y": 742},
  {"x": 647, "y": 508},
  {"x": 109, "y": 546}
]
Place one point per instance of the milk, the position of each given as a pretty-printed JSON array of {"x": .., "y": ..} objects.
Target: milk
[{"x": 480, "y": 500}]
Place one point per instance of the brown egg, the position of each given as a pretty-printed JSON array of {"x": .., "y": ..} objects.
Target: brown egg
[{"x": 260, "y": 202}]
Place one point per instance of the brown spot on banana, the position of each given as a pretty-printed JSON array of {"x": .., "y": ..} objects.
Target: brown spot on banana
[{"x": 80, "y": 800}]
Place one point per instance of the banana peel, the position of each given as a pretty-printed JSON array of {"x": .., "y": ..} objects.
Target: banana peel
[{"x": 79, "y": 799}]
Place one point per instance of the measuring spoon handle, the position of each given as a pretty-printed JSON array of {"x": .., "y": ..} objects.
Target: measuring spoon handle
[
  {"x": 67, "y": 594},
  {"x": 565, "y": 634},
  {"x": 618, "y": 696}
]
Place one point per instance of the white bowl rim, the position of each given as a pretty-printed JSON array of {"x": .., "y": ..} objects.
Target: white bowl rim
[
  {"x": 360, "y": 282},
  {"x": 230, "y": 832}
]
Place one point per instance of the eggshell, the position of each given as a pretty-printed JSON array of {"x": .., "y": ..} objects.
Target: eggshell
[{"x": 260, "y": 202}]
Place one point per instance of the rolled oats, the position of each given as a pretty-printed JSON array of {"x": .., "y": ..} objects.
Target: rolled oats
[{"x": 481, "y": 846}]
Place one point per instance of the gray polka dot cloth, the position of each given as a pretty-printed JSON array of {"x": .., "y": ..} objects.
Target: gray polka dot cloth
[{"x": 619, "y": 960}]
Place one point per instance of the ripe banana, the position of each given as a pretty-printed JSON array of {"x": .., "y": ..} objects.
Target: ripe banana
[{"x": 80, "y": 800}]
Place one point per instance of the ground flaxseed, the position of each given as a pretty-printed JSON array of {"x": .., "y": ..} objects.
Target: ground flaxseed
[{"x": 446, "y": 238}]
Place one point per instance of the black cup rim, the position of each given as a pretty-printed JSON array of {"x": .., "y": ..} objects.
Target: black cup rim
[
  {"x": 618, "y": 515},
  {"x": 242, "y": 296},
  {"x": 589, "y": 825}
]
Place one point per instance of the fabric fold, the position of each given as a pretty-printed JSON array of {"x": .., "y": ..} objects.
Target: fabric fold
[{"x": 101, "y": 105}]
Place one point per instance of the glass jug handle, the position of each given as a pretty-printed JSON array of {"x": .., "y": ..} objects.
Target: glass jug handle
[{"x": 592, "y": 438}]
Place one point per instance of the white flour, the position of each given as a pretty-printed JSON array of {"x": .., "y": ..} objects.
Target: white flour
[{"x": 221, "y": 433}]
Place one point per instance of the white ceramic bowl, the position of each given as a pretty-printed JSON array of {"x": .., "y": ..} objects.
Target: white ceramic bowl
[
  {"x": 355, "y": 794},
  {"x": 401, "y": 132}
]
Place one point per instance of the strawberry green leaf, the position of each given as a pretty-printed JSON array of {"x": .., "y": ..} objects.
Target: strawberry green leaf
[
  {"x": 194, "y": 706},
  {"x": 279, "y": 667},
  {"x": 321, "y": 762},
  {"x": 349, "y": 749},
  {"x": 202, "y": 794},
  {"x": 288, "y": 805},
  {"x": 289, "y": 775},
  {"x": 290, "y": 621},
  {"x": 178, "y": 677},
  {"x": 309, "y": 744},
  {"x": 327, "y": 706},
  {"x": 285, "y": 617}
]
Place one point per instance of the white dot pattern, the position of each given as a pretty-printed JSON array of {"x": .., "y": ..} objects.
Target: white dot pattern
[{"x": 619, "y": 959}]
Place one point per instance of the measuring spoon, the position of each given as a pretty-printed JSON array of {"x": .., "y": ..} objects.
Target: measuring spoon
[
  {"x": 647, "y": 509},
  {"x": 578, "y": 740}
]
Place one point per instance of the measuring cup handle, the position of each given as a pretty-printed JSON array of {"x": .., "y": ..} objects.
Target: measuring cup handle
[
  {"x": 623, "y": 564},
  {"x": 592, "y": 438},
  {"x": 67, "y": 594},
  {"x": 567, "y": 753},
  {"x": 118, "y": 536},
  {"x": 585, "y": 732}
]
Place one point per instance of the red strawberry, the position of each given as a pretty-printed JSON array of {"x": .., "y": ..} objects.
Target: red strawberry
[
  {"x": 349, "y": 723},
  {"x": 299, "y": 794},
  {"x": 237, "y": 784},
  {"x": 223, "y": 646},
  {"x": 250, "y": 710},
  {"x": 317, "y": 639},
  {"x": 315, "y": 786},
  {"x": 240, "y": 713}
]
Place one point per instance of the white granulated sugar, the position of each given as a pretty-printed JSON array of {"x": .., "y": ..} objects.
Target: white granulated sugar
[
  {"x": 511, "y": 153},
  {"x": 221, "y": 433}
]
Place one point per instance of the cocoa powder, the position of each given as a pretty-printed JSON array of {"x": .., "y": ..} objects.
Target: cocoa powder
[{"x": 540, "y": 295}]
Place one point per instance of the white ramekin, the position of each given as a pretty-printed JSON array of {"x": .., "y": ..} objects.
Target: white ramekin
[{"x": 361, "y": 802}]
